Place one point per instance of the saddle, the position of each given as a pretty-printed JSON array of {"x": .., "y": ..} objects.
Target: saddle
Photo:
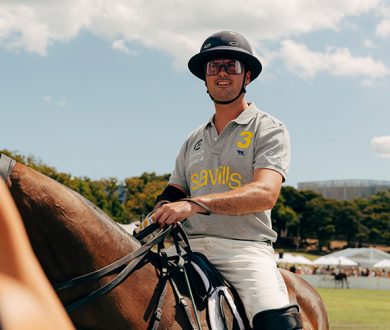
[{"x": 191, "y": 273}]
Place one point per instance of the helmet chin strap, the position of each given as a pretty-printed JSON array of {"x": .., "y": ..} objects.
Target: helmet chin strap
[{"x": 242, "y": 91}]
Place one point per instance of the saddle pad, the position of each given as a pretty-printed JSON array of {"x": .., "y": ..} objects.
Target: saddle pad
[{"x": 213, "y": 301}]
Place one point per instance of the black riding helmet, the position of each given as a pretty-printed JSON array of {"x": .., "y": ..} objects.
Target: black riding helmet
[{"x": 225, "y": 44}]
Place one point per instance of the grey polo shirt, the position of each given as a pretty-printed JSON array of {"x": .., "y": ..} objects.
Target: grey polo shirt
[{"x": 210, "y": 163}]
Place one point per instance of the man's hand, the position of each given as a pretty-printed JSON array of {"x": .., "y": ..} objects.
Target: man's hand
[{"x": 171, "y": 213}]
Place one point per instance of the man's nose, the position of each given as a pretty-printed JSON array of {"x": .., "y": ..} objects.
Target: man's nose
[{"x": 222, "y": 71}]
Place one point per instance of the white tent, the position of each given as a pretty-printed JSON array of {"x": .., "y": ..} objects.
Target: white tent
[
  {"x": 365, "y": 257},
  {"x": 301, "y": 260},
  {"x": 385, "y": 263},
  {"x": 334, "y": 261},
  {"x": 289, "y": 258}
]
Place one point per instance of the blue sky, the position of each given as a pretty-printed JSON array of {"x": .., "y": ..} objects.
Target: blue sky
[{"x": 101, "y": 88}]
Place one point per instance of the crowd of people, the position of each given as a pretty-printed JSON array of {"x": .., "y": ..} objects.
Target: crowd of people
[{"x": 328, "y": 270}]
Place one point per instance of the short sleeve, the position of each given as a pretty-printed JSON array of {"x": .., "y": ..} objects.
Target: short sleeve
[
  {"x": 178, "y": 175},
  {"x": 273, "y": 150}
]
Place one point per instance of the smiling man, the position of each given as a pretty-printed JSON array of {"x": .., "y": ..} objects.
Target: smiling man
[{"x": 232, "y": 169}]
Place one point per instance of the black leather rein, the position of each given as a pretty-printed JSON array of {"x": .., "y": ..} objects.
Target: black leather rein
[{"x": 130, "y": 261}]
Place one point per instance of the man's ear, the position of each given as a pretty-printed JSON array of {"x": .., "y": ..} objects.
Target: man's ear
[{"x": 247, "y": 78}]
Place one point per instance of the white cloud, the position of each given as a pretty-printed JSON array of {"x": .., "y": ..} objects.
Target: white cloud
[
  {"x": 381, "y": 146},
  {"x": 175, "y": 27},
  {"x": 383, "y": 28},
  {"x": 46, "y": 98},
  {"x": 336, "y": 61},
  {"x": 122, "y": 47},
  {"x": 170, "y": 25},
  {"x": 367, "y": 43}
]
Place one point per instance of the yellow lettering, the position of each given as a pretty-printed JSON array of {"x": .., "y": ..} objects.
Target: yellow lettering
[
  {"x": 194, "y": 180},
  {"x": 227, "y": 174},
  {"x": 234, "y": 178},
  {"x": 203, "y": 181},
  {"x": 220, "y": 176},
  {"x": 213, "y": 178}
]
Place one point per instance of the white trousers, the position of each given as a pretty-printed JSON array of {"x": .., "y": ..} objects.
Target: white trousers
[{"x": 250, "y": 267}]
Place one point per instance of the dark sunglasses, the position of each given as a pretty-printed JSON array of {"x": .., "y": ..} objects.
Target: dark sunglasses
[{"x": 230, "y": 66}]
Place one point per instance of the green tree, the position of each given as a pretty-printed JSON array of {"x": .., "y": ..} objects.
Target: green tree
[
  {"x": 347, "y": 221},
  {"x": 318, "y": 220},
  {"x": 284, "y": 218}
]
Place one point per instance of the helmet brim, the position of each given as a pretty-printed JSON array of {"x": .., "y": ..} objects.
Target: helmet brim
[{"x": 197, "y": 63}]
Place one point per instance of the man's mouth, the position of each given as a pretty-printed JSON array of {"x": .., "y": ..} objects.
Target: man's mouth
[{"x": 222, "y": 83}]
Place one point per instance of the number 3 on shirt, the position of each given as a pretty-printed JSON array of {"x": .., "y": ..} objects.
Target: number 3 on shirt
[{"x": 246, "y": 140}]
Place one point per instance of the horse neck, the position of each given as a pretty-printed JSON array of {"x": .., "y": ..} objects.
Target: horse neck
[{"x": 68, "y": 234}]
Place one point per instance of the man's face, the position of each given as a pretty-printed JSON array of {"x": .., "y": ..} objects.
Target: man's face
[{"x": 224, "y": 78}]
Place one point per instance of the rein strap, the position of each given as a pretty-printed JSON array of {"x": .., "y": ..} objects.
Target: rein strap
[{"x": 132, "y": 258}]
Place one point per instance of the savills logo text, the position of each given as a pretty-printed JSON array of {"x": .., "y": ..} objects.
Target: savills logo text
[{"x": 220, "y": 176}]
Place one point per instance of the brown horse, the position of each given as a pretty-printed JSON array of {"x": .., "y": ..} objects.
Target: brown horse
[{"x": 72, "y": 237}]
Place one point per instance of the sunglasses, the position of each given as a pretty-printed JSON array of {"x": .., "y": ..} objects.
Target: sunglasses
[{"x": 213, "y": 67}]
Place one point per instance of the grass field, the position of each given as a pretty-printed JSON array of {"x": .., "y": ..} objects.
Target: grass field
[{"x": 355, "y": 309}]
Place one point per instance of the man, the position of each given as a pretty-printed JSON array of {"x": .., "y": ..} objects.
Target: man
[{"x": 232, "y": 168}]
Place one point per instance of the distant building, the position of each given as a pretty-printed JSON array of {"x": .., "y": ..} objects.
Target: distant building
[{"x": 345, "y": 189}]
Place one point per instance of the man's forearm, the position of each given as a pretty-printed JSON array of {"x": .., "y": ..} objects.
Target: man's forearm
[{"x": 251, "y": 198}]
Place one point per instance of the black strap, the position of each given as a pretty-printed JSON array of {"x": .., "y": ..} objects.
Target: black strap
[
  {"x": 170, "y": 194},
  {"x": 158, "y": 312},
  {"x": 179, "y": 235},
  {"x": 180, "y": 239},
  {"x": 147, "y": 231},
  {"x": 183, "y": 303},
  {"x": 106, "y": 288},
  {"x": 134, "y": 258},
  {"x": 115, "y": 265},
  {"x": 162, "y": 283}
]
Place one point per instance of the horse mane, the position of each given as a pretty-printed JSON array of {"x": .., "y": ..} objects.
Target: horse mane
[{"x": 102, "y": 216}]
